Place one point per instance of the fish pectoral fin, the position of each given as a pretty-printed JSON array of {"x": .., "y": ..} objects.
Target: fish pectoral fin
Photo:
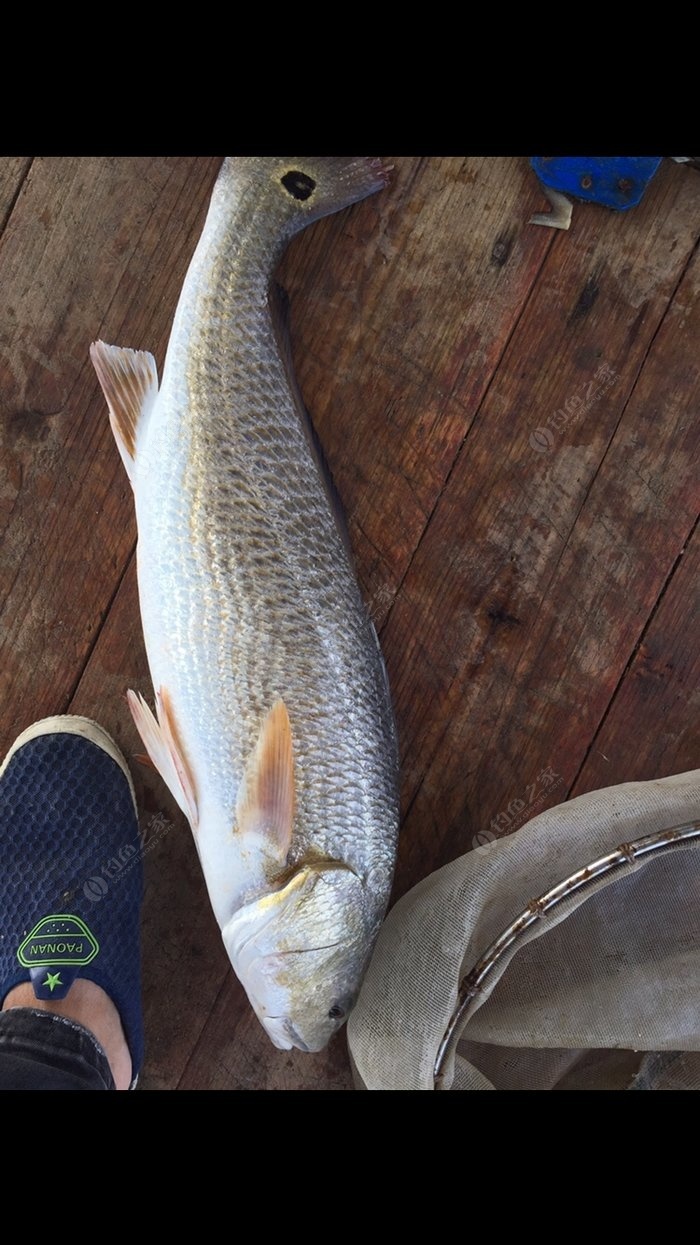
[
  {"x": 129, "y": 381},
  {"x": 265, "y": 805},
  {"x": 163, "y": 747}
]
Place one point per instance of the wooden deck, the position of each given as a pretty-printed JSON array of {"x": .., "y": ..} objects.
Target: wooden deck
[{"x": 510, "y": 413}]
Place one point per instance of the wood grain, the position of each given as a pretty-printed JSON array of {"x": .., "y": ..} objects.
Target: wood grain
[
  {"x": 401, "y": 311},
  {"x": 92, "y": 248},
  {"x": 522, "y": 522},
  {"x": 233, "y": 1053},
  {"x": 652, "y": 727},
  {"x": 13, "y": 172},
  {"x": 530, "y": 588}
]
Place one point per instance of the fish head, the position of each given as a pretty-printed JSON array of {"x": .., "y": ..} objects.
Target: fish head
[
  {"x": 293, "y": 191},
  {"x": 300, "y": 953}
]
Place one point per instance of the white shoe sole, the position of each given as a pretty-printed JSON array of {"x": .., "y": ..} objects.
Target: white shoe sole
[{"x": 72, "y": 724}]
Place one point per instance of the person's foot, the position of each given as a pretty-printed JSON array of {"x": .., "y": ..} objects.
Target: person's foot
[
  {"x": 71, "y": 887},
  {"x": 87, "y": 1004}
]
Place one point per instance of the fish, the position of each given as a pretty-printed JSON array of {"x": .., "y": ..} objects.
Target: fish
[{"x": 274, "y": 728}]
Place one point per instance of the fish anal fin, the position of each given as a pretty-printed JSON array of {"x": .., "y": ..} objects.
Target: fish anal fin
[
  {"x": 129, "y": 382},
  {"x": 265, "y": 806},
  {"x": 161, "y": 741}
]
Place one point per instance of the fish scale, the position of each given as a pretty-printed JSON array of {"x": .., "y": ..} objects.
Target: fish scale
[{"x": 253, "y": 620}]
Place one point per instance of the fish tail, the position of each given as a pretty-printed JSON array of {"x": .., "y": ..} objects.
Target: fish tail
[
  {"x": 347, "y": 179},
  {"x": 303, "y": 188},
  {"x": 365, "y": 173}
]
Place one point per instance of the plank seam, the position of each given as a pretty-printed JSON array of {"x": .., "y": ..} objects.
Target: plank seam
[
  {"x": 13, "y": 202},
  {"x": 623, "y": 410},
  {"x": 200, "y": 1035},
  {"x": 98, "y": 632},
  {"x": 458, "y": 453},
  {"x": 584, "y": 500},
  {"x": 633, "y": 656}
]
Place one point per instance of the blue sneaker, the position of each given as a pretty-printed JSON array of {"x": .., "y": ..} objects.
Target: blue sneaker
[{"x": 72, "y": 877}]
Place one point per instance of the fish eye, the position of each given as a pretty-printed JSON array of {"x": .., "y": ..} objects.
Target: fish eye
[
  {"x": 299, "y": 185},
  {"x": 336, "y": 1012}
]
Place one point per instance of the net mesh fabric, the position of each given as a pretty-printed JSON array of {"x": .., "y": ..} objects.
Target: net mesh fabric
[{"x": 600, "y": 991}]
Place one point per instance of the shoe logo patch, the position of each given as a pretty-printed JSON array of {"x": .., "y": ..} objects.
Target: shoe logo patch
[{"x": 58, "y": 939}]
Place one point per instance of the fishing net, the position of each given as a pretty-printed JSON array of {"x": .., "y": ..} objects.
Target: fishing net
[{"x": 566, "y": 956}]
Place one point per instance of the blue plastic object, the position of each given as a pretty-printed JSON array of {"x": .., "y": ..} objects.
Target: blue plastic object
[{"x": 617, "y": 182}]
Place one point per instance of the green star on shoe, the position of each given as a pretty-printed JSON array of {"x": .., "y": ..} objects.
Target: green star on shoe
[{"x": 52, "y": 980}]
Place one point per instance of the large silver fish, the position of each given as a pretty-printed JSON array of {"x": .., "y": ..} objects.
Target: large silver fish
[{"x": 274, "y": 727}]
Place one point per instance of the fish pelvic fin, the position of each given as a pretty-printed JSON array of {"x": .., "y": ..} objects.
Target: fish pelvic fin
[
  {"x": 160, "y": 739},
  {"x": 265, "y": 805},
  {"x": 129, "y": 382}
]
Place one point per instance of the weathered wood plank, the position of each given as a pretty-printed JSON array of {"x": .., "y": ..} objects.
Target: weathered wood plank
[
  {"x": 93, "y": 247},
  {"x": 13, "y": 171},
  {"x": 234, "y": 1053},
  {"x": 400, "y": 313},
  {"x": 653, "y": 726},
  {"x": 545, "y": 555}
]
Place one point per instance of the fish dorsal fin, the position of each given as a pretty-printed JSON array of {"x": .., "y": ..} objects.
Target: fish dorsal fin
[
  {"x": 129, "y": 381},
  {"x": 265, "y": 805},
  {"x": 163, "y": 746}
]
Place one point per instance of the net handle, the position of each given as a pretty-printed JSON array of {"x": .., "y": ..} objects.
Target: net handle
[{"x": 472, "y": 984}]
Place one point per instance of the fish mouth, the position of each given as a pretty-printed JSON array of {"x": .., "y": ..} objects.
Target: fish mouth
[{"x": 281, "y": 1031}]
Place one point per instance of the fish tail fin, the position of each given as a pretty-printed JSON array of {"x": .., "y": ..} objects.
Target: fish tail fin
[
  {"x": 332, "y": 182},
  {"x": 129, "y": 381},
  {"x": 308, "y": 187}
]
